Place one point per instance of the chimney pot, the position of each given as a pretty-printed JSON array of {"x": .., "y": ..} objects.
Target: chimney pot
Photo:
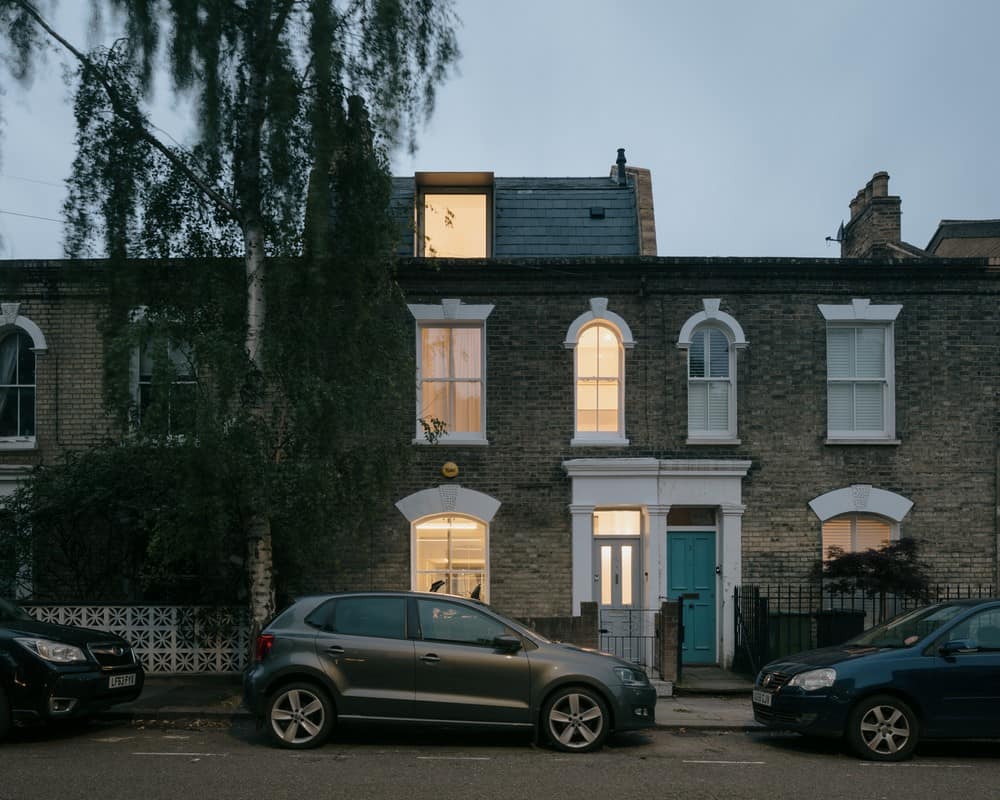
[
  {"x": 880, "y": 184},
  {"x": 620, "y": 161}
]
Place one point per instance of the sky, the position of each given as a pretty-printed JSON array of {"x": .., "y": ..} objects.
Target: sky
[{"x": 759, "y": 119}]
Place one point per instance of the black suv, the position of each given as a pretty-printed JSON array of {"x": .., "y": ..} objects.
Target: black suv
[{"x": 52, "y": 672}]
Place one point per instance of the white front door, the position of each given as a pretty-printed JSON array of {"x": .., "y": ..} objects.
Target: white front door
[{"x": 618, "y": 593}]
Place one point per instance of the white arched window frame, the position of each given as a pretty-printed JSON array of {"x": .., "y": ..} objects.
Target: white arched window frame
[
  {"x": 859, "y": 517},
  {"x": 12, "y": 322},
  {"x": 450, "y": 539},
  {"x": 598, "y": 323},
  {"x": 711, "y": 373}
]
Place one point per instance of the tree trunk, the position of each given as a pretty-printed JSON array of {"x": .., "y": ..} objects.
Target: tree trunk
[{"x": 260, "y": 570}]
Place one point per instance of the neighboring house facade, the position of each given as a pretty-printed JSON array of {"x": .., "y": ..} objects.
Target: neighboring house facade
[{"x": 625, "y": 428}]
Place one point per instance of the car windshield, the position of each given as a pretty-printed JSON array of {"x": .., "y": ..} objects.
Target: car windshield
[
  {"x": 909, "y": 628},
  {"x": 9, "y": 611}
]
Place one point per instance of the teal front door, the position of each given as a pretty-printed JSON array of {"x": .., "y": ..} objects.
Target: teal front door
[{"x": 691, "y": 577}]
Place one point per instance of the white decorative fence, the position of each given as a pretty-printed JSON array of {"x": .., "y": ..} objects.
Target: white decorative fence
[{"x": 168, "y": 639}]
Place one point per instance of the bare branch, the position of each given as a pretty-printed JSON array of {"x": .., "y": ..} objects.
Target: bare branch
[{"x": 135, "y": 119}]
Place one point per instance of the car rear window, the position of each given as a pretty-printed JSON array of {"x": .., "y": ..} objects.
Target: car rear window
[{"x": 370, "y": 616}]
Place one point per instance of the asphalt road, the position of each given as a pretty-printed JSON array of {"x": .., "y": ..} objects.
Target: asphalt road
[{"x": 127, "y": 761}]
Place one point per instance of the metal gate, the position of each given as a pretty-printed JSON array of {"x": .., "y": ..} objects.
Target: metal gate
[{"x": 630, "y": 633}]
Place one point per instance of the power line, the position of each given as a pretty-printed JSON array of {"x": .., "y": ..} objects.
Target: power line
[
  {"x": 30, "y": 180},
  {"x": 29, "y": 216}
]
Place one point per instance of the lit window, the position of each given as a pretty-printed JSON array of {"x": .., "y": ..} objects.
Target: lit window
[
  {"x": 450, "y": 556},
  {"x": 617, "y": 523},
  {"x": 17, "y": 385},
  {"x": 598, "y": 381},
  {"x": 855, "y": 533},
  {"x": 599, "y": 338},
  {"x": 451, "y": 374},
  {"x": 860, "y": 371},
  {"x": 455, "y": 225}
]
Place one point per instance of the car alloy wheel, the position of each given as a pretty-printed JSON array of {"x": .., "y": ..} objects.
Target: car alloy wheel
[
  {"x": 300, "y": 716},
  {"x": 576, "y": 720},
  {"x": 883, "y": 728}
]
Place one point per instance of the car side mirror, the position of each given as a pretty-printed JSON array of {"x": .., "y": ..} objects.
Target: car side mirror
[
  {"x": 959, "y": 646},
  {"x": 507, "y": 643}
]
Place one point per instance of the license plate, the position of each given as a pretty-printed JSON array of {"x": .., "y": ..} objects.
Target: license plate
[
  {"x": 761, "y": 698},
  {"x": 121, "y": 681}
]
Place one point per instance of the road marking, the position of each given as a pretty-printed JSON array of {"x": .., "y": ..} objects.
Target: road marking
[
  {"x": 931, "y": 766},
  {"x": 111, "y": 739},
  {"x": 185, "y": 755},
  {"x": 454, "y": 758},
  {"x": 725, "y": 763}
]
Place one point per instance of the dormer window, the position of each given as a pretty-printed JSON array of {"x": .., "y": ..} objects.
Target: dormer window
[{"x": 454, "y": 214}]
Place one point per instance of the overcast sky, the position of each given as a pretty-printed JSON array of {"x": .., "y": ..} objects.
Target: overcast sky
[{"x": 759, "y": 119}]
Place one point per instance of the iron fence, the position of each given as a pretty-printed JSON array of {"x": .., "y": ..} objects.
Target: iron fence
[
  {"x": 775, "y": 620},
  {"x": 631, "y": 634}
]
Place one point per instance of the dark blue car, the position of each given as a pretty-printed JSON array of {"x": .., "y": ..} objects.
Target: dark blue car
[{"x": 931, "y": 673}]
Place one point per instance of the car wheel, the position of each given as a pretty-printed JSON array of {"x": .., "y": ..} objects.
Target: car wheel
[
  {"x": 576, "y": 720},
  {"x": 4, "y": 715},
  {"x": 299, "y": 716},
  {"x": 883, "y": 728}
]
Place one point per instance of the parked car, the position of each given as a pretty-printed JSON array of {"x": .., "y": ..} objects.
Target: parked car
[
  {"x": 931, "y": 673},
  {"x": 52, "y": 672},
  {"x": 434, "y": 659}
]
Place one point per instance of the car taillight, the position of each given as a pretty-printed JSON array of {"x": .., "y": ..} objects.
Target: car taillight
[{"x": 264, "y": 644}]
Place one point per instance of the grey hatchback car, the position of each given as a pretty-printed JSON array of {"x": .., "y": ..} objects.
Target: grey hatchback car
[{"x": 434, "y": 659}]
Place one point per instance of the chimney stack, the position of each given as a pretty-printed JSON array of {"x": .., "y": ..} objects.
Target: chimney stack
[
  {"x": 621, "y": 167},
  {"x": 875, "y": 220}
]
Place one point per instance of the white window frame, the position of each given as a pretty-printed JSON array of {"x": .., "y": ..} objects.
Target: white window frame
[
  {"x": 599, "y": 313},
  {"x": 451, "y": 313},
  {"x": 710, "y": 317},
  {"x": 859, "y": 314},
  {"x": 454, "y": 499},
  {"x": 862, "y": 499},
  {"x": 450, "y": 183},
  {"x": 136, "y": 316},
  {"x": 10, "y": 317}
]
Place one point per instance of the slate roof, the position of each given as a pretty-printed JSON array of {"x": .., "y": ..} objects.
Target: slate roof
[
  {"x": 547, "y": 217},
  {"x": 966, "y": 238}
]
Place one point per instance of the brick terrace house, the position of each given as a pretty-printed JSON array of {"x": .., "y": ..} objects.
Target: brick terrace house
[{"x": 624, "y": 427}]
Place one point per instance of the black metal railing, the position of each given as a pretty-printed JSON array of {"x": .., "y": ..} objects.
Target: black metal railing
[
  {"x": 775, "y": 620},
  {"x": 630, "y": 634}
]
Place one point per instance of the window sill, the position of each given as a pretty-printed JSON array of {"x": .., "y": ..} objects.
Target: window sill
[
  {"x": 582, "y": 442},
  {"x": 18, "y": 443},
  {"x": 444, "y": 440},
  {"x": 838, "y": 441},
  {"x": 706, "y": 440}
]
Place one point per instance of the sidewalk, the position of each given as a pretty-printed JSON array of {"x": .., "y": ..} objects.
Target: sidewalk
[{"x": 219, "y": 697}]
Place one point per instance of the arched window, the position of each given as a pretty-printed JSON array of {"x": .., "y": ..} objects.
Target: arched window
[
  {"x": 598, "y": 339},
  {"x": 17, "y": 385},
  {"x": 711, "y": 401},
  {"x": 711, "y": 338},
  {"x": 449, "y": 552},
  {"x": 599, "y": 381},
  {"x": 855, "y": 533},
  {"x": 859, "y": 517}
]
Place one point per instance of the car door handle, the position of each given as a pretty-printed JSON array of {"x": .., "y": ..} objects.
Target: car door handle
[
  {"x": 335, "y": 650},
  {"x": 430, "y": 658}
]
